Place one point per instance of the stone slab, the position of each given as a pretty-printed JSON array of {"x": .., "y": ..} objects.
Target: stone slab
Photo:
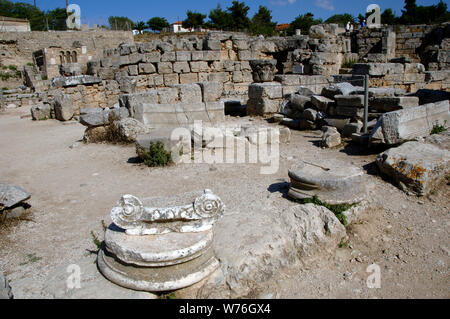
[{"x": 12, "y": 195}]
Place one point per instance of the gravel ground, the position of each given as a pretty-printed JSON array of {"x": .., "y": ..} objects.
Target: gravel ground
[{"x": 74, "y": 186}]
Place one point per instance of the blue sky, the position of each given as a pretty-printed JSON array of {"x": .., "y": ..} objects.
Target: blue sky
[{"x": 283, "y": 11}]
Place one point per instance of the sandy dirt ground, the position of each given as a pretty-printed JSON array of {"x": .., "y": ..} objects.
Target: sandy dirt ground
[{"x": 74, "y": 186}]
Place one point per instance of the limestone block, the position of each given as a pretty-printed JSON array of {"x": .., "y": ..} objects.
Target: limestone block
[
  {"x": 197, "y": 56},
  {"x": 135, "y": 58},
  {"x": 183, "y": 56},
  {"x": 64, "y": 109},
  {"x": 189, "y": 93},
  {"x": 11, "y": 196},
  {"x": 131, "y": 100},
  {"x": 215, "y": 111},
  {"x": 288, "y": 79},
  {"x": 211, "y": 56},
  {"x": 146, "y": 68},
  {"x": 221, "y": 77},
  {"x": 76, "y": 80},
  {"x": 350, "y": 111},
  {"x": 263, "y": 106},
  {"x": 188, "y": 78},
  {"x": 378, "y": 69},
  {"x": 212, "y": 44},
  {"x": 321, "y": 102},
  {"x": 181, "y": 67},
  {"x": 211, "y": 91},
  {"x": 199, "y": 66},
  {"x": 165, "y": 67},
  {"x": 344, "y": 88},
  {"x": 168, "y": 95},
  {"x": 415, "y": 167},
  {"x": 152, "y": 57},
  {"x": 389, "y": 104},
  {"x": 350, "y": 100},
  {"x": 133, "y": 70},
  {"x": 168, "y": 57},
  {"x": 41, "y": 112},
  {"x": 272, "y": 90},
  {"x": 403, "y": 125}
]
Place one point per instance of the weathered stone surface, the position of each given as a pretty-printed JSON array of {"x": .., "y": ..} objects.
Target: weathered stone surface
[
  {"x": 344, "y": 88},
  {"x": 441, "y": 140},
  {"x": 272, "y": 90},
  {"x": 97, "y": 134},
  {"x": 299, "y": 102},
  {"x": 189, "y": 93},
  {"x": 352, "y": 128},
  {"x": 310, "y": 115},
  {"x": 127, "y": 130},
  {"x": 351, "y": 111},
  {"x": 331, "y": 137},
  {"x": 12, "y": 195},
  {"x": 321, "y": 102},
  {"x": 5, "y": 289},
  {"x": 94, "y": 117},
  {"x": 350, "y": 100},
  {"x": 415, "y": 167},
  {"x": 407, "y": 124},
  {"x": 211, "y": 91},
  {"x": 64, "y": 109},
  {"x": 382, "y": 92},
  {"x": 263, "y": 106},
  {"x": 389, "y": 104},
  {"x": 263, "y": 70},
  {"x": 76, "y": 80},
  {"x": 171, "y": 139},
  {"x": 338, "y": 122},
  {"x": 41, "y": 112},
  {"x": 333, "y": 181},
  {"x": 378, "y": 69}
]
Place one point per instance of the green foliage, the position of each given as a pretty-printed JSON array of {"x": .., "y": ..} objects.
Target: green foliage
[
  {"x": 303, "y": 22},
  {"x": 194, "y": 20},
  {"x": 341, "y": 19},
  {"x": 31, "y": 258},
  {"x": 140, "y": 26},
  {"x": 167, "y": 296},
  {"x": 120, "y": 23},
  {"x": 262, "y": 22},
  {"x": 238, "y": 12},
  {"x": 437, "y": 128},
  {"x": 338, "y": 210},
  {"x": 388, "y": 17},
  {"x": 219, "y": 19},
  {"x": 97, "y": 242},
  {"x": 158, "y": 24},
  {"x": 414, "y": 14},
  {"x": 348, "y": 64},
  {"x": 157, "y": 155}
]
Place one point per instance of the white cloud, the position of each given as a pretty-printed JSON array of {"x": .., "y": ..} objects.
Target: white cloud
[
  {"x": 282, "y": 2},
  {"x": 325, "y": 4}
]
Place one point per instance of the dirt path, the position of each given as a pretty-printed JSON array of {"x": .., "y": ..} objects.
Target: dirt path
[{"x": 74, "y": 186}]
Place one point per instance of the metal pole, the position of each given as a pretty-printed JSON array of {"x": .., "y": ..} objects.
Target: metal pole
[
  {"x": 366, "y": 102},
  {"x": 2, "y": 100}
]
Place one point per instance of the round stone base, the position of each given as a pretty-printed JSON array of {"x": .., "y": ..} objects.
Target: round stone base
[
  {"x": 333, "y": 181},
  {"x": 157, "y": 279}
]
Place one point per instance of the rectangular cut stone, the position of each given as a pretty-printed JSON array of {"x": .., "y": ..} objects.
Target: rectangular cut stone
[
  {"x": 168, "y": 95},
  {"x": 263, "y": 106},
  {"x": 146, "y": 68},
  {"x": 216, "y": 111},
  {"x": 188, "y": 113},
  {"x": 188, "y": 78},
  {"x": 189, "y": 93},
  {"x": 130, "y": 101},
  {"x": 378, "y": 69},
  {"x": 211, "y": 56},
  {"x": 171, "y": 79},
  {"x": 199, "y": 66},
  {"x": 181, "y": 67},
  {"x": 183, "y": 56},
  {"x": 272, "y": 90},
  {"x": 321, "y": 102},
  {"x": 221, "y": 77},
  {"x": 350, "y": 100},
  {"x": 168, "y": 57},
  {"x": 165, "y": 67},
  {"x": 152, "y": 57},
  {"x": 389, "y": 104},
  {"x": 412, "y": 122},
  {"x": 288, "y": 79},
  {"x": 197, "y": 55},
  {"x": 350, "y": 111},
  {"x": 156, "y": 115},
  {"x": 211, "y": 91}
]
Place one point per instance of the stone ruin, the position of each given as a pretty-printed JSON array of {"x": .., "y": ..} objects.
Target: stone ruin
[{"x": 160, "y": 249}]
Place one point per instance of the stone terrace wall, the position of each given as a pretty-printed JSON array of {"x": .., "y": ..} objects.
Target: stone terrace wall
[{"x": 17, "y": 47}]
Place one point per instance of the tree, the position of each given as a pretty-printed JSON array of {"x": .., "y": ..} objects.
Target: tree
[
  {"x": 433, "y": 14},
  {"x": 56, "y": 19},
  {"x": 239, "y": 18},
  {"x": 140, "y": 26},
  {"x": 121, "y": 23},
  {"x": 388, "y": 17},
  {"x": 361, "y": 19},
  {"x": 194, "y": 20},
  {"x": 262, "y": 22},
  {"x": 341, "y": 19},
  {"x": 219, "y": 19},
  {"x": 304, "y": 23},
  {"x": 158, "y": 24}
]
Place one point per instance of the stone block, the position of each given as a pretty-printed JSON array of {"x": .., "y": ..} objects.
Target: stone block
[
  {"x": 199, "y": 66},
  {"x": 321, "y": 102},
  {"x": 171, "y": 79},
  {"x": 183, "y": 56},
  {"x": 221, "y": 77},
  {"x": 168, "y": 95},
  {"x": 181, "y": 67},
  {"x": 350, "y": 100},
  {"x": 168, "y": 57},
  {"x": 211, "y": 91},
  {"x": 415, "y": 167},
  {"x": 146, "y": 68},
  {"x": 41, "y": 112},
  {"x": 152, "y": 57},
  {"x": 212, "y": 44},
  {"x": 389, "y": 104},
  {"x": 378, "y": 69},
  {"x": 188, "y": 78},
  {"x": 189, "y": 93},
  {"x": 64, "y": 109},
  {"x": 272, "y": 90},
  {"x": 263, "y": 106},
  {"x": 211, "y": 56},
  {"x": 133, "y": 70},
  {"x": 350, "y": 111},
  {"x": 165, "y": 67},
  {"x": 216, "y": 111}
]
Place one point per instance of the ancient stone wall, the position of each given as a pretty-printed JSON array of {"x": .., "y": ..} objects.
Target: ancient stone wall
[{"x": 17, "y": 47}]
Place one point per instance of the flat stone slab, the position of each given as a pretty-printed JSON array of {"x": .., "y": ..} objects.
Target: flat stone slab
[
  {"x": 333, "y": 181},
  {"x": 12, "y": 195},
  {"x": 156, "y": 250},
  {"x": 76, "y": 80},
  {"x": 415, "y": 167}
]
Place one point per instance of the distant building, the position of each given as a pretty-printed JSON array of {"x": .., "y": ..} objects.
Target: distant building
[
  {"x": 177, "y": 27},
  {"x": 8, "y": 24},
  {"x": 282, "y": 27}
]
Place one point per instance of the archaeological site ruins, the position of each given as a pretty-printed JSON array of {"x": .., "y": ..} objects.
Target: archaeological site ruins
[{"x": 223, "y": 164}]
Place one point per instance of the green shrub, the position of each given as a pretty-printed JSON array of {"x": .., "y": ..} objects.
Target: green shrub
[
  {"x": 437, "y": 128},
  {"x": 12, "y": 67},
  {"x": 156, "y": 155},
  {"x": 348, "y": 64},
  {"x": 338, "y": 210}
]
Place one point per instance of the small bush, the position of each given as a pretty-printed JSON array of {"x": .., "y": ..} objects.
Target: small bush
[
  {"x": 348, "y": 64},
  {"x": 12, "y": 67},
  {"x": 157, "y": 155},
  {"x": 338, "y": 210},
  {"x": 437, "y": 128}
]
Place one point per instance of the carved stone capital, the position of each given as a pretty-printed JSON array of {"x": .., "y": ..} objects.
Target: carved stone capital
[{"x": 130, "y": 214}]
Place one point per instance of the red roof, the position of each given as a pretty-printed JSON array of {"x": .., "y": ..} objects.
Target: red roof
[{"x": 282, "y": 27}]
